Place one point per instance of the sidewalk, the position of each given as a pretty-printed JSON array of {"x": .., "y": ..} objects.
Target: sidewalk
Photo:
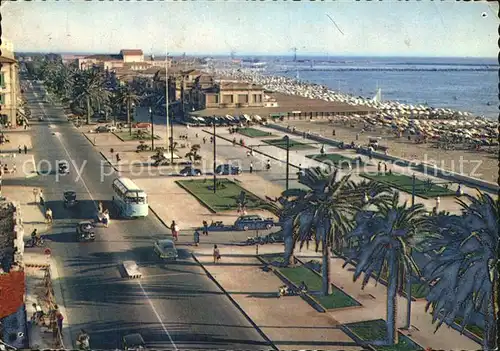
[
  {"x": 35, "y": 259},
  {"x": 289, "y": 322}
]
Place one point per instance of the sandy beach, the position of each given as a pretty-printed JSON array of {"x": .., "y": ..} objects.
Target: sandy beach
[{"x": 476, "y": 164}]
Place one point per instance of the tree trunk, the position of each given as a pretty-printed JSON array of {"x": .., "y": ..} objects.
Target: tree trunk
[
  {"x": 408, "y": 301},
  {"x": 288, "y": 241},
  {"x": 392, "y": 288},
  {"x": 326, "y": 287},
  {"x": 490, "y": 325},
  {"x": 88, "y": 110}
]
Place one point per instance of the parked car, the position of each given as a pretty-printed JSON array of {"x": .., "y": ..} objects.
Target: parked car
[
  {"x": 165, "y": 248},
  {"x": 105, "y": 129},
  {"x": 190, "y": 171},
  {"x": 227, "y": 169},
  {"x": 253, "y": 222}
]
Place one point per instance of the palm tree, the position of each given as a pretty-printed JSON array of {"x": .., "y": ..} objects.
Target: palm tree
[
  {"x": 384, "y": 241},
  {"x": 463, "y": 269},
  {"x": 89, "y": 90},
  {"x": 323, "y": 213},
  {"x": 128, "y": 98},
  {"x": 193, "y": 154}
]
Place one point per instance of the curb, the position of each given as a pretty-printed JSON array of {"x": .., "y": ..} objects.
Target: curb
[
  {"x": 257, "y": 151},
  {"x": 264, "y": 336},
  {"x": 306, "y": 297},
  {"x": 86, "y": 137},
  {"x": 37, "y": 265},
  {"x": 158, "y": 217}
]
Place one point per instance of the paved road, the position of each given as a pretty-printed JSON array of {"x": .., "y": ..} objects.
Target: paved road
[{"x": 173, "y": 306}]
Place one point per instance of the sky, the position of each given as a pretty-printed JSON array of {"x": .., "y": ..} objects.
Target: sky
[{"x": 361, "y": 28}]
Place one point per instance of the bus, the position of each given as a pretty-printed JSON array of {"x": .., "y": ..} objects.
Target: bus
[{"x": 129, "y": 199}]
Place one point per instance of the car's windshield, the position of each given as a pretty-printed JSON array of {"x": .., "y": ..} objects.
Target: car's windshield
[{"x": 168, "y": 245}]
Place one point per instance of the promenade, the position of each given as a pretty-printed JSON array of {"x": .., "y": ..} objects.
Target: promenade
[{"x": 240, "y": 272}]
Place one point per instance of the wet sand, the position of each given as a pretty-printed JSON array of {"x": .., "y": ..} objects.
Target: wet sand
[{"x": 482, "y": 165}]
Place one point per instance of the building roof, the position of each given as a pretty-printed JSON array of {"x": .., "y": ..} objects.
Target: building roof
[
  {"x": 103, "y": 57},
  {"x": 192, "y": 72},
  {"x": 131, "y": 52},
  {"x": 239, "y": 86},
  {"x": 4, "y": 59}
]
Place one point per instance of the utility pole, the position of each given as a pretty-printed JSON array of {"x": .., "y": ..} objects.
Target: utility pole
[
  {"x": 257, "y": 246},
  {"x": 215, "y": 156},
  {"x": 128, "y": 117},
  {"x": 287, "y": 138},
  {"x": 152, "y": 129},
  {"x": 171, "y": 143},
  {"x": 166, "y": 93}
]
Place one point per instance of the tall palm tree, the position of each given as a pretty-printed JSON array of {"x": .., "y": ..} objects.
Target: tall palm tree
[
  {"x": 128, "y": 97},
  {"x": 322, "y": 213},
  {"x": 463, "y": 270},
  {"x": 89, "y": 90},
  {"x": 384, "y": 241}
]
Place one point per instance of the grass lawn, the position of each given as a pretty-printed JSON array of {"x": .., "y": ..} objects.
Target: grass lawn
[
  {"x": 338, "y": 299},
  {"x": 294, "y": 145},
  {"x": 404, "y": 183},
  {"x": 125, "y": 136},
  {"x": 376, "y": 330},
  {"x": 254, "y": 133},
  {"x": 336, "y": 160},
  {"x": 474, "y": 329},
  {"x": 225, "y": 197}
]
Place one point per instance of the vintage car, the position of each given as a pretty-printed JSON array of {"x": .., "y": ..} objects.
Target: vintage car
[
  {"x": 190, "y": 171},
  {"x": 63, "y": 167},
  {"x": 70, "y": 199},
  {"x": 227, "y": 169},
  {"x": 165, "y": 248},
  {"x": 85, "y": 231},
  {"x": 133, "y": 342},
  {"x": 253, "y": 222}
]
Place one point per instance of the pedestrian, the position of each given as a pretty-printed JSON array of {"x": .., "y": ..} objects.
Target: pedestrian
[
  {"x": 204, "y": 140},
  {"x": 357, "y": 136},
  {"x": 460, "y": 192},
  {"x": 19, "y": 148},
  {"x": 196, "y": 238},
  {"x": 385, "y": 167},
  {"x": 25, "y": 149},
  {"x": 117, "y": 157},
  {"x": 112, "y": 151},
  {"x": 100, "y": 207},
  {"x": 42, "y": 200},
  {"x": 175, "y": 230},
  {"x": 438, "y": 201},
  {"x": 14, "y": 168},
  {"x": 251, "y": 167},
  {"x": 334, "y": 132},
  {"x": 205, "y": 228},
  {"x": 105, "y": 218},
  {"x": 59, "y": 320},
  {"x": 196, "y": 135},
  {"x": 216, "y": 254}
]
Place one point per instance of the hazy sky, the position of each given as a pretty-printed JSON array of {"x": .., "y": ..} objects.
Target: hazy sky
[{"x": 410, "y": 28}]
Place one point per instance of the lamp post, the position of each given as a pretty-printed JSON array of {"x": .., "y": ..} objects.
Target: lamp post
[
  {"x": 152, "y": 130},
  {"x": 215, "y": 156},
  {"x": 408, "y": 282},
  {"x": 287, "y": 138},
  {"x": 171, "y": 142},
  {"x": 257, "y": 246}
]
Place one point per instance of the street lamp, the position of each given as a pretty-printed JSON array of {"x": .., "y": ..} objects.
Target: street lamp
[
  {"x": 287, "y": 139},
  {"x": 152, "y": 129},
  {"x": 215, "y": 154}
]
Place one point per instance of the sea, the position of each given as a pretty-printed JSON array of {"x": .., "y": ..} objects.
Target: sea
[{"x": 463, "y": 84}]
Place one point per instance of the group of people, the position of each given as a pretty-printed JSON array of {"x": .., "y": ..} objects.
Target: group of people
[
  {"x": 103, "y": 215},
  {"x": 21, "y": 149}
]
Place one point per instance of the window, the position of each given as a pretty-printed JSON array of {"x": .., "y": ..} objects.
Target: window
[
  {"x": 227, "y": 99},
  {"x": 2, "y": 80},
  {"x": 2, "y": 99}
]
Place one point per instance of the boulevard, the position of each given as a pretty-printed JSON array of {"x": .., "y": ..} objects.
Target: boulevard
[{"x": 172, "y": 306}]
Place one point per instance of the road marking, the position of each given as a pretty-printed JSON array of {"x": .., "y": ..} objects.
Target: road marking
[
  {"x": 95, "y": 205},
  {"x": 157, "y": 315},
  {"x": 69, "y": 156}
]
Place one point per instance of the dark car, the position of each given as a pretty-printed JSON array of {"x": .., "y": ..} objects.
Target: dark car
[
  {"x": 227, "y": 169},
  {"x": 133, "y": 342},
  {"x": 85, "y": 231},
  {"x": 249, "y": 222},
  {"x": 190, "y": 171}
]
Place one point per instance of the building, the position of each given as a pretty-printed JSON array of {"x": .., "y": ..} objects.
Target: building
[
  {"x": 126, "y": 60},
  {"x": 9, "y": 85},
  {"x": 207, "y": 94}
]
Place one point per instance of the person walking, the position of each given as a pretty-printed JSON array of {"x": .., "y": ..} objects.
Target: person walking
[
  {"x": 25, "y": 149},
  {"x": 196, "y": 238},
  {"x": 216, "y": 254},
  {"x": 105, "y": 218},
  {"x": 251, "y": 167},
  {"x": 42, "y": 200},
  {"x": 438, "y": 201},
  {"x": 19, "y": 148},
  {"x": 204, "y": 140},
  {"x": 175, "y": 230},
  {"x": 117, "y": 157},
  {"x": 59, "y": 320},
  {"x": 385, "y": 167},
  {"x": 205, "y": 228}
]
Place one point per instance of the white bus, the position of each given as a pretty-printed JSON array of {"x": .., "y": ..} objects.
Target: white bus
[{"x": 129, "y": 199}]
